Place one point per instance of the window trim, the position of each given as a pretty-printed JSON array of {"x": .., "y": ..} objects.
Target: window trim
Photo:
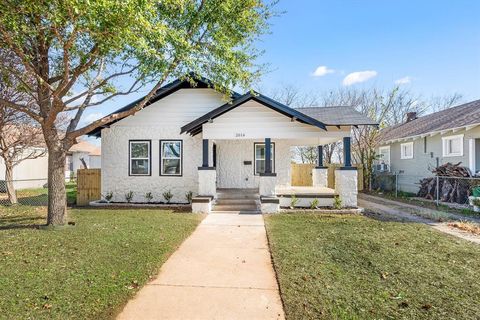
[
  {"x": 161, "y": 158},
  {"x": 444, "y": 146},
  {"x": 130, "y": 158},
  {"x": 255, "y": 159},
  {"x": 402, "y": 154},
  {"x": 389, "y": 153}
]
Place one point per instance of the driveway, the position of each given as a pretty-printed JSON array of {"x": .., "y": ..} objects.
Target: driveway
[{"x": 222, "y": 271}]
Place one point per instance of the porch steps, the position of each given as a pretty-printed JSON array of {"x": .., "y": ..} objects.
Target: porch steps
[{"x": 240, "y": 200}]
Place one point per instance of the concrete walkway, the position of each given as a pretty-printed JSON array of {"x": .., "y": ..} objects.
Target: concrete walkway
[{"x": 222, "y": 271}]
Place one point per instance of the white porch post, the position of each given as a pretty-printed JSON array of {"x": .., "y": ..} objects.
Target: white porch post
[
  {"x": 346, "y": 184},
  {"x": 471, "y": 155},
  {"x": 266, "y": 188},
  {"x": 320, "y": 172},
  {"x": 207, "y": 176},
  {"x": 268, "y": 179},
  {"x": 207, "y": 187}
]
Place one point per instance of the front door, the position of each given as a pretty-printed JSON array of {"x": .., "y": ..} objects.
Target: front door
[{"x": 235, "y": 164}]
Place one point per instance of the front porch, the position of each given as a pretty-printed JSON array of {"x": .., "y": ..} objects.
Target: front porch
[
  {"x": 246, "y": 145},
  {"x": 236, "y": 172}
]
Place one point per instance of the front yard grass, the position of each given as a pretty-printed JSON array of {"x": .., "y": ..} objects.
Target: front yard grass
[
  {"x": 86, "y": 271},
  {"x": 355, "y": 267}
]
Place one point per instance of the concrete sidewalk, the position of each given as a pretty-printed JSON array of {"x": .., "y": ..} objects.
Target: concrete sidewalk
[{"x": 222, "y": 271}]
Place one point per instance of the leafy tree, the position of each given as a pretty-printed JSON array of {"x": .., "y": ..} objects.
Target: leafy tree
[{"x": 84, "y": 53}]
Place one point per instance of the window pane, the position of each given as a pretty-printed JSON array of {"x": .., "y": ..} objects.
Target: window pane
[
  {"x": 171, "y": 166},
  {"x": 259, "y": 151},
  {"x": 455, "y": 146},
  {"x": 259, "y": 166},
  {"x": 171, "y": 149},
  {"x": 139, "y": 149},
  {"x": 408, "y": 151},
  {"x": 139, "y": 166}
]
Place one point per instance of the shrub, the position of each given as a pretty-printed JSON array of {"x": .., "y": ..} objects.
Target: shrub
[
  {"x": 476, "y": 202},
  {"x": 189, "y": 196},
  {"x": 337, "y": 202},
  {"x": 148, "y": 196},
  {"x": 314, "y": 204},
  {"x": 168, "y": 196},
  {"x": 109, "y": 196},
  {"x": 293, "y": 201},
  {"x": 129, "y": 196}
]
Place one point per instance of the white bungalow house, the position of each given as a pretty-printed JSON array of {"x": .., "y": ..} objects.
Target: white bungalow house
[{"x": 231, "y": 155}]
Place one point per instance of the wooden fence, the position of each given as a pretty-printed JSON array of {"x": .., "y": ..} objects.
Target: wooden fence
[
  {"x": 302, "y": 175},
  {"x": 88, "y": 186}
]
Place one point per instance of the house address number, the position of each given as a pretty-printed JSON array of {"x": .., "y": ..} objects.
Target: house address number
[{"x": 239, "y": 135}]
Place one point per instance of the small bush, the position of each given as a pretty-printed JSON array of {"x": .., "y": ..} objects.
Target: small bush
[
  {"x": 476, "y": 202},
  {"x": 293, "y": 201},
  {"x": 148, "y": 196},
  {"x": 189, "y": 196},
  {"x": 129, "y": 196},
  {"x": 109, "y": 196},
  {"x": 314, "y": 204},
  {"x": 168, "y": 196},
  {"x": 337, "y": 202}
]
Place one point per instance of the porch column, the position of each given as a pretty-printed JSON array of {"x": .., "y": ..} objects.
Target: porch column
[
  {"x": 207, "y": 182},
  {"x": 268, "y": 155},
  {"x": 320, "y": 173},
  {"x": 346, "y": 184},
  {"x": 267, "y": 180},
  {"x": 205, "y": 153},
  {"x": 319, "y": 156},
  {"x": 347, "y": 152}
]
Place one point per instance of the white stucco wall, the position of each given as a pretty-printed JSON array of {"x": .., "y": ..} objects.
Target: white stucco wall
[
  {"x": 31, "y": 173},
  {"x": 233, "y": 173},
  {"x": 162, "y": 120},
  {"x": 95, "y": 162}
]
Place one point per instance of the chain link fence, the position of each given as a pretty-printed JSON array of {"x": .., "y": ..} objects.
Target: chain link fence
[
  {"x": 440, "y": 189},
  {"x": 32, "y": 192}
]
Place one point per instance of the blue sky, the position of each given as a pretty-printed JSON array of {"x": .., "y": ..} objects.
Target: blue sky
[
  {"x": 436, "y": 44},
  {"x": 432, "y": 47}
]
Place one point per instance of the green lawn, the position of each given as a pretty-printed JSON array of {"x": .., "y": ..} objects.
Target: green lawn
[
  {"x": 355, "y": 267},
  {"x": 86, "y": 271},
  {"x": 39, "y": 196}
]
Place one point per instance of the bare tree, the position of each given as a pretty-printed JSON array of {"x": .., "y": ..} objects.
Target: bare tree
[
  {"x": 439, "y": 103},
  {"x": 292, "y": 96},
  {"x": 20, "y": 137}
]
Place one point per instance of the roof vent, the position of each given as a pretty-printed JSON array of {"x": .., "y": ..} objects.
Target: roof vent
[{"x": 411, "y": 116}]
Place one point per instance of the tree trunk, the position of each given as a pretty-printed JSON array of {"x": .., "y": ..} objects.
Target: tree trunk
[
  {"x": 12, "y": 196},
  {"x": 57, "y": 200}
]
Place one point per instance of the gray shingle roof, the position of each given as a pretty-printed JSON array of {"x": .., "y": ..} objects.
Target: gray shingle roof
[
  {"x": 456, "y": 117},
  {"x": 338, "y": 115}
]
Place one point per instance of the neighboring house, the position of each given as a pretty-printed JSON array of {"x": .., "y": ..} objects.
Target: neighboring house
[
  {"x": 30, "y": 173},
  {"x": 418, "y": 145},
  {"x": 33, "y": 173},
  {"x": 85, "y": 150},
  {"x": 190, "y": 139}
]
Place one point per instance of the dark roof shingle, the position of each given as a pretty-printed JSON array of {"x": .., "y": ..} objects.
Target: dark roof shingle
[{"x": 456, "y": 117}]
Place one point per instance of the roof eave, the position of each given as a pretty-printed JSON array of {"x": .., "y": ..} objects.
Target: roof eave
[{"x": 194, "y": 127}]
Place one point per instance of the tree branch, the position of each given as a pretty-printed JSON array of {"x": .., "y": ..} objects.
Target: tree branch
[{"x": 21, "y": 108}]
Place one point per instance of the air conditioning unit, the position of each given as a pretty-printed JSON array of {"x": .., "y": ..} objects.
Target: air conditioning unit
[{"x": 382, "y": 167}]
